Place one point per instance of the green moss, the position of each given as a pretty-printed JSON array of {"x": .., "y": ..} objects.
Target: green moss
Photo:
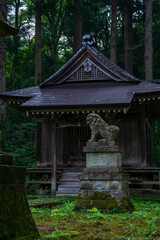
[
  {"x": 126, "y": 205},
  {"x": 100, "y": 195},
  {"x": 105, "y": 205}
]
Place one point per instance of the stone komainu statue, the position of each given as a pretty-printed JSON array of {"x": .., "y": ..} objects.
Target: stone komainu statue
[{"x": 101, "y": 131}]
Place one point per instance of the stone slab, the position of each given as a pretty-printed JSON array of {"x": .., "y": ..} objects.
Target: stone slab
[
  {"x": 103, "y": 177},
  {"x": 102, "y": 170},
  {"x": 98, "y": 148},
  {"x": 106, "y": 159}
]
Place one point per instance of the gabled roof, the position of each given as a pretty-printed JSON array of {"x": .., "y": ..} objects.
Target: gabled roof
[
  {"x": 88, "y": 64},
  {"x": 87, "y": 80}
]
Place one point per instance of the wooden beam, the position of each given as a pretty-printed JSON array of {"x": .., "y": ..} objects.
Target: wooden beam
[
  {"x": 54, "y": 156},
  {"x": 38, "y": 160},
  {"x": 143, "y": 135}
]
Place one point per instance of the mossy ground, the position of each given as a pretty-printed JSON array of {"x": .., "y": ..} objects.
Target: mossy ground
[{"x": 63, "y": 222}]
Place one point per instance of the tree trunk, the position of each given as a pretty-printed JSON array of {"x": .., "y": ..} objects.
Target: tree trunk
[
  {"x": 113, "y": 46},
  {"x": 3, "y": 10},
  {"x": 77, "y": 27},
  {"x": 37, "y": 71},
  {"x": 128, "y": 36},
  {"x": 148, "y": 42},
  {"x": 16, "y": 44}
]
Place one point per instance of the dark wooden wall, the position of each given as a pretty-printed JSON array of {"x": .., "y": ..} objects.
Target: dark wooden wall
[
  {"x": 135, "y": 137},
  {"x": 130, "y": 140},
  {"x": 45, "y": 130}
]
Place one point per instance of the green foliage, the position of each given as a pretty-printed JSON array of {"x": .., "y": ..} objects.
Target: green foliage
[
  {"x": 64, "y": 211},
  {"x": 19, "y": 138},
  {"x": 58, "y": 35},
  {"x": 57, "y": 234},
  {"x": 62, "y": 222}
]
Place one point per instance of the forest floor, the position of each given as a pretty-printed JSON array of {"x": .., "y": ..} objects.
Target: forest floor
[{"x": 62, "y": 222}]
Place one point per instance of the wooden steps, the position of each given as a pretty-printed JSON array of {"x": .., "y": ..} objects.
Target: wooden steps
[{"x": 69, "y": 183}]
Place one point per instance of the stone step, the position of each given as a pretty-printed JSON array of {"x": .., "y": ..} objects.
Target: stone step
[
  {"x": 73, "y": 170},
  {"x": 70, "y": 176},
  {"x": 68, "y": 190},
  {"x": 72, "y": 173},
  {"x": 69, "y": 183},
  {"x": 69, "y": 186},
  {"x": 75, "y": 184},
  {"x": 69, "y": 179},
  {"x": 67, "y": 194}
]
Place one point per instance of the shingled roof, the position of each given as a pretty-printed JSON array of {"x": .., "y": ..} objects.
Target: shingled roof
[{"x": 88, "y": 79}]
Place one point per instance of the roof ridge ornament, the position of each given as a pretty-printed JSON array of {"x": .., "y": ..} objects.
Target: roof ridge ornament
[{"x": 87, "y": 40}]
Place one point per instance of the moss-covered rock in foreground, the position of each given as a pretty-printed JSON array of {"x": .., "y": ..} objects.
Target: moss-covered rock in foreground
[
  {"x": 105, "y": 203},
  {"x": 16, "y": 221}
]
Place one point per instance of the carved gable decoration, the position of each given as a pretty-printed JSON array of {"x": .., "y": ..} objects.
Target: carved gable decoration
[
  {"x": 88, "y": 64},
  {"x": 88, "y": 70}
]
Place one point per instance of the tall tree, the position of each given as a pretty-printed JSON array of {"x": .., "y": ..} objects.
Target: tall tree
[
  {"x": 37, "y": 70},
  {"x": 113, "y": 45},
  {"x": 128, "y": 36},
  {"x": 16, "y": 44},
  {"x": 3, "y": 10},
  {"x": 77, "y": 26},
  {"x": 148, "y": 41},
  {"x": 55, "y": 12}
]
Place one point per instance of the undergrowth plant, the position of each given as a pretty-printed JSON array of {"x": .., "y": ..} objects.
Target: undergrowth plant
[{"x": 63, "y": 222}]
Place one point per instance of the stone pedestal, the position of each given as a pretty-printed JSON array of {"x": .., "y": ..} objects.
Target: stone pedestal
[{"x": 103, "y": 184}]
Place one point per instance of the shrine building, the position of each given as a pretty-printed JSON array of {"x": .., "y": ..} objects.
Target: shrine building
[{"x": 89, "y": 82}]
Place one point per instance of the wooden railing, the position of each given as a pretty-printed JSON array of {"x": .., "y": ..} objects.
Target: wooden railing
[
  {"x": 144, "y": 179},
  {"x": 139, "y": 179}
]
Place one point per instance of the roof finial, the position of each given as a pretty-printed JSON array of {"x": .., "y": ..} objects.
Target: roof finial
[{"x": 87, "y": 40}]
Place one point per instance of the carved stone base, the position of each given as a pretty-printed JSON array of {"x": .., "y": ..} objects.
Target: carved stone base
[{"x": 103, "y": 184}]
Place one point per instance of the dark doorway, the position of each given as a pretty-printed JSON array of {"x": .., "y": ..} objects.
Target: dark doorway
[{"x": 76, "y": 138}]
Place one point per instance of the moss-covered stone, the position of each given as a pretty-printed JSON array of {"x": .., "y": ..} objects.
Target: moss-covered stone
[
  {"x": 105, "y": 205},
  {"x": 16, "y": 221},
  {"x": 100, "y": 195},
  {"x": 126, "y": 205}
]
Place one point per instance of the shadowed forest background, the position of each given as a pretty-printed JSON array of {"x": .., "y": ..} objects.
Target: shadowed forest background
[{"x": 127, "y": 31}]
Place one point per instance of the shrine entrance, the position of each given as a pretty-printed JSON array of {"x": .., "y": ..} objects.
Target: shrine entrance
[{"x": 76, "y": 138}]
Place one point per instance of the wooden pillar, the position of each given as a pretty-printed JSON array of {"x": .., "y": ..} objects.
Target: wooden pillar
[
  {"x": 53, "y": 152},
  {"x": 143, "y": 135},
  {"x": 38, "y": 160}
]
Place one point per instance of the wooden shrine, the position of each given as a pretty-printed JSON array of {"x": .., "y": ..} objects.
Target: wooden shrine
[{"x": 89, "y": 82}]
